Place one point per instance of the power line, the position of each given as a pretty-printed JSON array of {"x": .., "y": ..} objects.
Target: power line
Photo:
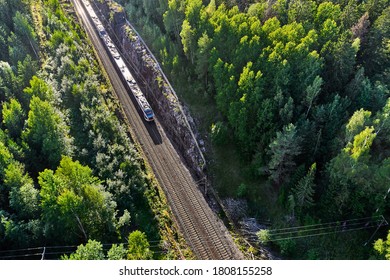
[
  {"x": 311, "y": 230},
  {"x": 53, "y": 247},
  {"x": 20, "y": 256},
  {"x": 384, "y": 220},
  {"x": 59, "y": 253},
  {"x": 19, "y": 250},
  {"x": 343, "y": 226},
  {"x": 69, "y": 246},
  {"x": 278, "y": 236},
  {"x": 322, "y": 224},
  {"x": 45, "y": 250},
  {"x": 319, "y": 234}
]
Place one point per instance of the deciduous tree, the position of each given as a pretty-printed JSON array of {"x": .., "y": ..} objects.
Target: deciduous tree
[
  {"x": 92, "y": 250},
  {"x": 46, "y": 134},
  {"x": 117, "y": 252},
  {"x": 383, "y": 247},
  {"x": 23, "y": 196},
  {"x": 73, "y": 200},
  {"x": 138, "y": 248}
]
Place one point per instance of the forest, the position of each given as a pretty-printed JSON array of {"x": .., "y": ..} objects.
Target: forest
[
  {"x": 70, "y": 175},
  {"x": 294, "y": 98}
]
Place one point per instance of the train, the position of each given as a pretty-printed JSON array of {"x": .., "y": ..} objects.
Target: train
[{"x": 118, "y": 61}]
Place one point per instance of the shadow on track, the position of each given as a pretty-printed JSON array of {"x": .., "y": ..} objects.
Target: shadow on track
[{"x": 152, "y": 129}]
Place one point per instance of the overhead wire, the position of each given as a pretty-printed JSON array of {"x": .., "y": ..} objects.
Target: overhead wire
[
  {"x": 20, "y": 256},
  {"x": 319, "y": 234},
  {"x": 69, "y": 246},
  {"x": 48, "y": 252},
  {"x": 312, "y": 232},
  {"x": 384, "y": 220},
  {"x": 321, "y": 224},
  {"x": 279, "y": 234},
  {"x": 344, "y": 226},
  {"x": 18, "y": 250}
]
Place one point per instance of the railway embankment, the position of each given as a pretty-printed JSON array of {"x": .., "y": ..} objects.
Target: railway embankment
[{"x": 177, "y": 123}]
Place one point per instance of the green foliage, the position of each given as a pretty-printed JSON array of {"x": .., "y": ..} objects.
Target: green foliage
[
  {"x": 46, "y": 135},
  {"x": 339, "y": 62},
  {"x": 287, "y": 247},
  {"x": 359, "y": 120},
  {"x": 264, "y": 236},
  {"x": 26, "y": 70},
  {"x": 357, "y": 181},
  {"x": 25, "y": 31},
  {"x": 20, "y": 234},
  {"x": 283, "y": 149},
  {"x": 257, "y": 9},
  {"x": 376, "y": 56},
  {"x": 365, "y": 94},
  {"x": 39, "y": 88},
  {"x": 117, "y": 252},
  {"x": 384, "y": 129},
  {"x": 362, "y": 143},
  {"x": 5, "y": 159},
  {"x": 383, "y": 247},
  {"x": 13, "y": 118},
  {"x": 8, "y": 9},
  {"x": 242, "y": 190},
  {"x": 16, "y": 49},
  {"x": 23, "y": 196},
  {"x": 301, "y": 11},
  {"x": 327, "y": 10},
  {"x": 65, "y": 109},
  {"x": 219, "y": 133},
  {"x": 73, "y": 200},
  {"x": 92, "y": 250},
  {"x": 138, "y": 246},
  {"x": 8, "y": 81},
  {"x": 312, "y": 92},
  {"x": 188, "y": 40},
  {"x": 304, "y": 191},
  {"x": 203, "y": 57},
  {"x": 173, "y": 17},
  {"x": 3, "y": 44},
  {"x": 296, "y": 82}
]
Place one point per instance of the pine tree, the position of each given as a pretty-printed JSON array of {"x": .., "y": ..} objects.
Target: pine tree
[
  {"x": 304, "y": 190},
  {"x": 283, "y": 149}
]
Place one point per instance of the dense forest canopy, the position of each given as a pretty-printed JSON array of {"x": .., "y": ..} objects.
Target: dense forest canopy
[
  {"x": 303, "y": 85},
  {"x": 69, "y": 173},
  {"x": 298, "y": 88}
]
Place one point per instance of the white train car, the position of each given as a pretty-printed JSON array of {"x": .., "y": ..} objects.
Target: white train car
[{"x": 123, "y": 70}]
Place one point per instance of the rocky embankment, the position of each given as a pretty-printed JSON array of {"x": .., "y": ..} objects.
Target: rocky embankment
[{"x": 154, "y": 85}]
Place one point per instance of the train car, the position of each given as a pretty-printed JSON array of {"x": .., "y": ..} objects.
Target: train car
[{"x": 119, "y": 63}]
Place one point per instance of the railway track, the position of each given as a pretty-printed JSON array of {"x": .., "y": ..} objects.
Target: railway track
[{"x": 204, "y": 232}]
